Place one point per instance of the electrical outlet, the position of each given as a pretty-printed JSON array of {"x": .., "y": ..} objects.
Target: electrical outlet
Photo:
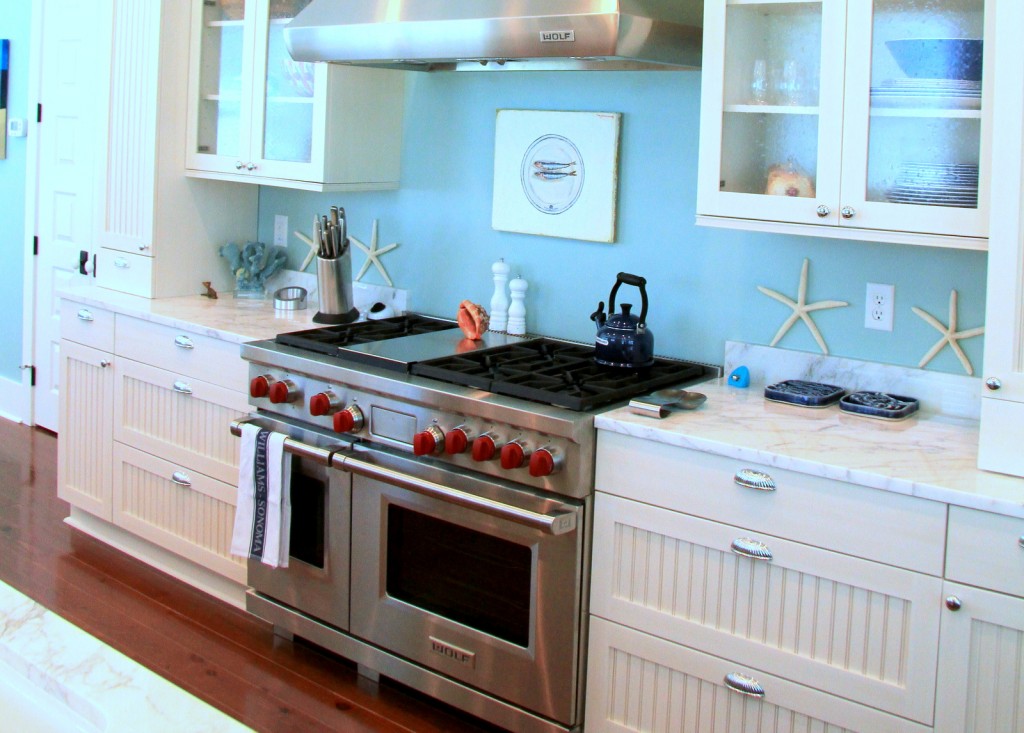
[
  {"x": 280, "y": 231},
  {"x": 878, "y": 306}
]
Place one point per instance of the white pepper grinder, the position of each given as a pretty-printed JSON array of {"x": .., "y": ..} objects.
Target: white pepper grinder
[
  {"x": 517, "y": 311},
  {"x": 499, "y": 301}
]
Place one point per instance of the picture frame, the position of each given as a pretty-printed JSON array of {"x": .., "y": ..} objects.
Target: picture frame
[{"x": 556, "y": 173}]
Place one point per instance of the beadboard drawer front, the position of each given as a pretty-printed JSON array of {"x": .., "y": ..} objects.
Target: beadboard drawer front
[
  {"x": 636, "y": 682},
  {"x": 86, "y": 324},
  {"x": 125, "y": 273},
  {"x": 191, "y": 354},
  {"x": 986, "y": 550},
  {"x": 179, "y": 418},
  {"x": 866, "y": 631},
  {"x": 878, "y": 525},
  {"x": 192, "y": 521}
]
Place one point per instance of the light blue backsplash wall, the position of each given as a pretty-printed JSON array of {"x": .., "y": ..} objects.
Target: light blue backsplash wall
[
  {"x": 702, "y": 282},
  {"x": 15, "y": 26}
]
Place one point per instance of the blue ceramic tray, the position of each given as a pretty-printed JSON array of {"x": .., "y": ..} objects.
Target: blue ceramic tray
[
  {"x": 879, "y": 405},
  {"x": 804, "y": 394}
]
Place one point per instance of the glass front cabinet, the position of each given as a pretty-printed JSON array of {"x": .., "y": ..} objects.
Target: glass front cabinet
[
  {"x": 256, "y": 115},
  {"x": 862, "y": 119}
]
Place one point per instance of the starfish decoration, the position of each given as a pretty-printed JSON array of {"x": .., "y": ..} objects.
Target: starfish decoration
[
  {"x": 312, "y": 250},
  {"x": 949, "y": 334},
  {"x": 802, "y": 309},
  {"x": 373, "y": 254}
]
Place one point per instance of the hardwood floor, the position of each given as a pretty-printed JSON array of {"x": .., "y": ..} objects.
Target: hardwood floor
[{"x": 220, "y": 654}]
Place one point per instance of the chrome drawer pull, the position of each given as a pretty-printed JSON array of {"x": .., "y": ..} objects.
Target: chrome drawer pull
[
  {"x": 748, "y": 478},
  {"x": 105, "y": 363},
  {"x": 1020, "y": 542},
  {"x": 184, "y": 342},
  {"x": 182, "y": 387},
  {"x": 181, "y": 479},
  {"x": 744, "y": 685},
  {"x": 751, "y": 548},
  {"x": 85, "y": 315},
  {"x": 122, "y": 263}
]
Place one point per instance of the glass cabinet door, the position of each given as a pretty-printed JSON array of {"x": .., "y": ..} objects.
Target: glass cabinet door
[
  {"x": 224, "y": 68},
  {"x": 283, "y": 126},
  {"x": 917, "y": 139},
  {"x": 777, "y": 133}
]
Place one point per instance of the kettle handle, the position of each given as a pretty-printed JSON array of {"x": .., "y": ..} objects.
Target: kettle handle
[{"x": 636, "y": 280}]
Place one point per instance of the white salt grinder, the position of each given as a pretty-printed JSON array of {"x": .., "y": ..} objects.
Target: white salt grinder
[
  {"x": 499, "y": 301},
  {"x": 517, "y": 311}
]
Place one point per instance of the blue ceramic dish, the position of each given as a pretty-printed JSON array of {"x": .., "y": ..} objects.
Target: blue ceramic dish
[
  {"x": 879, "y": 405},
  {"x": 804, "y": 394}
]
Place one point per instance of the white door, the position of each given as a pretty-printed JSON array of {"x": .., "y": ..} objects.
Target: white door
[{"x": 70, "y": 61}]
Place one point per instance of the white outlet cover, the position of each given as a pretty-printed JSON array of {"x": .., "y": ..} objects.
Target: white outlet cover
[
  {"x": 280, "y": 230},
  {"x": 879, "y": 304}
]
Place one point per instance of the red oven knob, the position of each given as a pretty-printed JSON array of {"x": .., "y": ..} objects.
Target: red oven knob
[
  {"x": 283, "y": 391},
  {"x": 456, "y": 440},
  {"x": 513, "y": 455},
  {"x": 428, "y": 442},
  {"x": 349, "y": 420},
  {"x": 324, "y": 403},
  {"x": 260, "y": 386},
  {"x": 545, "y": 461},
  {"x": 484, "y": 448}
]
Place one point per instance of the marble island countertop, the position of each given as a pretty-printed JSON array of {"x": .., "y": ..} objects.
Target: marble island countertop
[{"x": 926, "y": 455}]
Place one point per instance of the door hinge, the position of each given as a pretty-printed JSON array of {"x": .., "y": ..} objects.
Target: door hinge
[
  {"x": 31, "y": 375},
  {"x": 35, "y": 246},
  {"x": 39, "y": 113}
]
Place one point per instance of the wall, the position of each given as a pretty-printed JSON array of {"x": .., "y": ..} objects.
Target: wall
[
  {"x": 15, "y": 25},
  {"x": 702, "y": 282}
]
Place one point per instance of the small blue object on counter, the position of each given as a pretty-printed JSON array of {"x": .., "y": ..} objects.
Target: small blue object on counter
[
  {"x": 804, "y": 394},
  {"x": 739, "y": 377},
  {"x": 879, "y": 405}
]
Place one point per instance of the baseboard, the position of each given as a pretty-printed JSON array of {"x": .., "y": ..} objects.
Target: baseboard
[{"x": 15, "y": 401}]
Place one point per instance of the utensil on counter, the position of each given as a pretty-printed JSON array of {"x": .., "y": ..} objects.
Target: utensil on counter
[
  {"x": 292, "y": 298},
  {"x": 662, "y": 403},
  {"x": 333, "y": 269},
  {"x": 623, "y": 339}
]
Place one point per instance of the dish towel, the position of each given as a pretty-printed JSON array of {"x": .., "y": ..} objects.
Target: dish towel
[{"x": 264, "y": 511}]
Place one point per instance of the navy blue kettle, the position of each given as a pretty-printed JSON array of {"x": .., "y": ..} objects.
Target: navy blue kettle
[{"x": 623, "y": 339}]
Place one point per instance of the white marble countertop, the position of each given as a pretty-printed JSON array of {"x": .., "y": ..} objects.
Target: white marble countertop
[
  {"x": 930, "y": 456},
  {"x": 54, "y": 676}
]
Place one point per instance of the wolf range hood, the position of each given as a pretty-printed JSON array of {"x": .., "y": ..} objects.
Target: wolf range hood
[{"x": 488, "y": 35}]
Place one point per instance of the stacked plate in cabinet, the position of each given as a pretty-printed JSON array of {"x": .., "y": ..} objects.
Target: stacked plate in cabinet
[
  {"x": 941, "y": 93},
  {"x": 935, "y": 184}
]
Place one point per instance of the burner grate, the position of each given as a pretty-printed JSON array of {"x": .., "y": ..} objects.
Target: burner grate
[
  {"x": 330, "y": 340},
  {"x": 557, "y": 373}
]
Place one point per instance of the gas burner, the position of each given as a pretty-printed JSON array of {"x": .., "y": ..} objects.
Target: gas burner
[
  {"x": 331, "y": 340},
  {"x": 556, "y": 373}
]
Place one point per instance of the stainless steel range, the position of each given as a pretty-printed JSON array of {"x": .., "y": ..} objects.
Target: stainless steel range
[{"x": 441, "y": 506}]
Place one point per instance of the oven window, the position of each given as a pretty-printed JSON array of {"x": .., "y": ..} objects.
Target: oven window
[
  {"x": 308, "y": 496},
  {"x": 465, "y": 576}
]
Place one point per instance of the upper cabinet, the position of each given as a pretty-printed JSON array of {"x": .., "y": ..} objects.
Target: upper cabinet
[
  {"x": 861, "y": 119},
  {"x": 257, "y": 116}
]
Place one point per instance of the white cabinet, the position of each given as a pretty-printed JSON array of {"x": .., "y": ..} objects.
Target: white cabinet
[
  {"x": 159, "y": 232},
  {"x": 982, "y": 631},
  {"x": 256, "y": 116},
  {"x": 816, "y": 119},
  {"x": 826, "y": 594},
  {"x": 1002, "y": 404}
]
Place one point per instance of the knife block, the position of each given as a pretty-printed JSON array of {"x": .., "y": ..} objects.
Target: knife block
[{"x": 334, "y": 285}]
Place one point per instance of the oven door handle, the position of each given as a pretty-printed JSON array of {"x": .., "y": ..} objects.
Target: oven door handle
[
  {"x": 555, "y": 524},
  {"x": 322, "y": 456}
]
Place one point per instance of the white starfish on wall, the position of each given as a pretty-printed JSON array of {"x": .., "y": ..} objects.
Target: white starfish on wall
[
  {"x": 949, "y": 334},
  {"x": 373, "y": 254},
  {"x": 802, "y": 309},
  {"x": 312, "y": 250}
]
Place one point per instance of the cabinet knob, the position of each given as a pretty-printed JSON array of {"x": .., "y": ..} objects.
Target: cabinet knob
[
  {"x": 143, "y": 247},
  {"x": 748, "y": 478},
  {"x": 182, "y": 387},
  {"x": 181, "y": 479},
  {"x": 1020, "y": 542},
  {"x": 751, "y": 548},
  {"x": 239, "y": 165},
  {"x": 104, "y": 363},
  {"x": 847, "y": 212},
  {"x": 184, "y": 342},
  {"x": 823, "y": 211},
  {"x": 251, "y": 167},
  {"x": 994, "y": 383},
  {"x": 953, "y": 603},
  {"x": 85, "y": 315},
  {"x": 744, "y": 684}
]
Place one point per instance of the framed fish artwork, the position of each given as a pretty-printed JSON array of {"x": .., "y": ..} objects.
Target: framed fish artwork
[
  {"x": 556, "y": 173},
  {"x": 5, "y": 56}
]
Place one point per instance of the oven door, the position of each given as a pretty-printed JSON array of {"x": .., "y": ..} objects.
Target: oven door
[
  {"x": 472, "y": 578},
  {"x": 316, "y": 580}
]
